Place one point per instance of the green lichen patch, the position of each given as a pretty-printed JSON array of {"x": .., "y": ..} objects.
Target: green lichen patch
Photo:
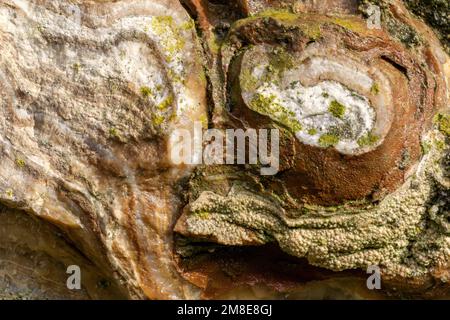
[
  {"x": 174, "y": 76},
  {"x": 160, "y": 23},
  {"x": 171, "y": 35},
  {"x": 313, "y": 31},
  {"x": 281, "y": 15},
  {"x": 113, "y": 132},
  {"x": 76, "y": 67},
  {"x": 426, "y": 147},
  {"x": 167, "y": 102},
  {"x": 443, "y": 123},
  {"x": 337, "y": 109},
  {"x": 281, "y": 60},
  {"x": 440, "y": 145},
  {"x": 214, "y": 43},
  {"x": 174, "y": 48},
  {"x": 20, "y": 162},
  {"x": 375, "y": 89},
  {"x": 173, "y": 116},
  {"x": 204, "y": 120},
  {"x": 328, "y": 140},
  {"x": 368, "y": 140},
  {"x": 350, "y": 24},
  {"x": 277, "y": 14},
  {"x": 268, "y": 106},
  {"x": 9, "y": 193},
  {"x": 312, "y": 131},
  {"x": 248, "y": 81},
  {"x": 188, "y": 25},
  {"x": 202, "y": 214},
  {"x": 40, "y": 28},
  {"x": 158, "y": 119},
  {"x": 146, "y": 92}
]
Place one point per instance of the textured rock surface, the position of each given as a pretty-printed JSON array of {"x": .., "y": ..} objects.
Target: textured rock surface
[
  {"x": 91, "y": 91},
  {"x": 437, "y": 14},
  {"x": 354, "y": 190}
]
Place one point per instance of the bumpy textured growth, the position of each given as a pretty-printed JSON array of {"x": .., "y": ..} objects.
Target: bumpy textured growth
[{"x": 363, "y": 166}]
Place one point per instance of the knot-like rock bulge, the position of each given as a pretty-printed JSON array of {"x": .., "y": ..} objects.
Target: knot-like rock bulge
[{"x": 305, "y": 94}]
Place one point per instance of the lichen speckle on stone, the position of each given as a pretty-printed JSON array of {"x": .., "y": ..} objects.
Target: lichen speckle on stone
[
  {"x": 443, "y": 123},
  {"x": 328, "y": 140},
  {"x": 337, "y": 109},
  {"x": 368, "y": 140}
]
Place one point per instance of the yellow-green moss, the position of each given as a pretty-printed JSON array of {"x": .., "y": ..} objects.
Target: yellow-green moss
[
  {"x": 146, "y": 92},
  {"x": 328, "y": 140},
  {"x": 167, "y": 102},
  {"x": 281, "y": 60},
  {"x": 266, "y": 105},
  {"x": 312, "y": 131},
  {"x": 174, "y": 77},
  {"x": 202, "y": 76},
  {"x": 202, "y": 214},
  {"x": 20, "y": 162},
  {"x": 160, "y": 23},
  {"x": 248, "y": 81},
  {"x": 173, "y": 48},
  {"x": 76, "y": 67},
  {"x": 9, "y": 193},
  {"x": 440, "y": 145},
  {"x": 337, "y": 109},
  {"x": 282, "y": 15},
  {"x": 312, "y": 31},
  {"x": 443, "y": 123},
  {"x": 172, "y": 43},
  {"x": 368, "y": 140},
  {"x": 375, "y": 89},
  {"x": 188, "y": 25},
  {"x": 158, "y": 119},
  {"x": 278, "y": 14},
  {"x": 425, "y": 146},
  {"x": 113, "y": 132},
  {"x": 214, "y": 43},
  {"x": 204, "y": 120},
  {"x": 349, "y": 24}
]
